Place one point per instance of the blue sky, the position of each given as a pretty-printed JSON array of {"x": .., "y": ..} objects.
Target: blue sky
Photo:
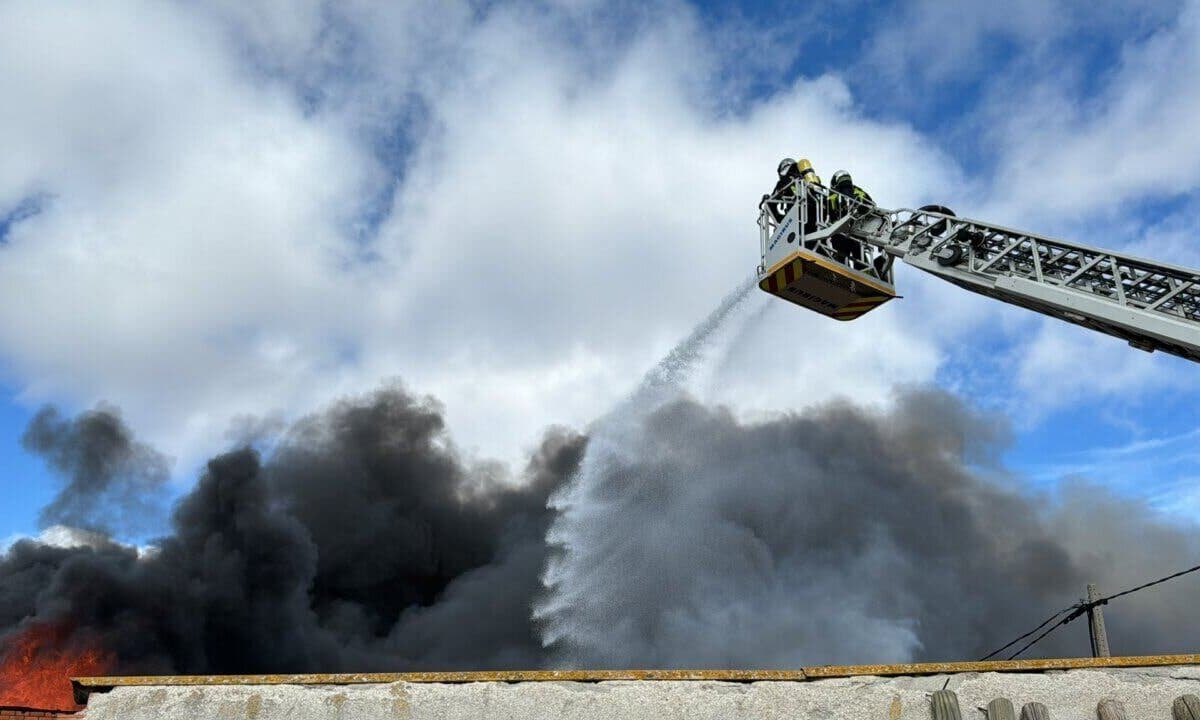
[
  {"x": 222, "y": 216},
  {"x": 27, "y": 485}
]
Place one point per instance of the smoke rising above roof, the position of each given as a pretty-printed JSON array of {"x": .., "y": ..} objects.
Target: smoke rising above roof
[
  {"x": 111, "y": 481},
  {"x": 674, "y": 534},
  {"x": 363, "y": 542}
]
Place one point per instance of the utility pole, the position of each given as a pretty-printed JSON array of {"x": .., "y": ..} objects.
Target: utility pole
[{"x": 1096, "y": 623}]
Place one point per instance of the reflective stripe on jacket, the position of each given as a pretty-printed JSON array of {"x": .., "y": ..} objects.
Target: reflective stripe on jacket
[{"x": 859, "y": 194}]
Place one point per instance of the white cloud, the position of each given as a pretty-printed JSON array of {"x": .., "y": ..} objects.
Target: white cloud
[
  {"x": 190, "y": 260},
  {"x": 572, "y": 198},
  {"x": 928, "y": 48},
  {"x": 560, "y": 223},
  {"x": 1067, "y": 150},
  {"x": 935, "y": 42},
  {"x": 1071, "y": 140}
]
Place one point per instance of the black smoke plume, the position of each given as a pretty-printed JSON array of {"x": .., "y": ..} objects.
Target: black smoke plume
[
  {"x": 111, "y": 481},
  {"x": 363, "y": 542}
]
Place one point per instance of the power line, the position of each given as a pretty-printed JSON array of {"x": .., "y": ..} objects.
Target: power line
[
  {"x": 1143, "y": 587},
  {"x": 1077, "y": 610},
  {"x": 1001, "y": 649}
]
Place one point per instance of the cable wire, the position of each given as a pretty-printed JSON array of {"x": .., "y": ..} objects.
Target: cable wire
[
  {"x": 1001, "y": 649},
  {"x": 1102, "y": 601},
  {"x": 1076, "y": 611}
]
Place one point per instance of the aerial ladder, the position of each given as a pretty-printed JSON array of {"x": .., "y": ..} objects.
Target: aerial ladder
[{"x": 840, "y": 264}]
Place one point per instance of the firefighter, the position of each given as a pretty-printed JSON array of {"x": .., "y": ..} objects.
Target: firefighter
[
  {"x": 809, "y": 175},
  {"x": 805, "y": 170},
  {"x": 846, "y": 249},
  {"x": 789, "y": 172},
  {"x": 783, "y": 195},
  {"x": 843, "y": 184}
]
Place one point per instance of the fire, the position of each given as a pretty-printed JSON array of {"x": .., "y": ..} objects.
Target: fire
[{"x": 36, "y": 666}]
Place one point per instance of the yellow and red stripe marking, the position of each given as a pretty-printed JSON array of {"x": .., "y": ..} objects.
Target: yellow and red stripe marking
[
  {"x": 855, "y": 309},
  {"x": 783, "y": 276},
  {"x": 785, "y": 273}
]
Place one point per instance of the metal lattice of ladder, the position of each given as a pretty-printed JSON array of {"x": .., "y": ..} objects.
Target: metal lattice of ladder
[{"x": 1152, "y": 305}]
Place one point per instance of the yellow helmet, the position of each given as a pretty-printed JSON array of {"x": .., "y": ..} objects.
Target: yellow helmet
[{"x": 806, "y": 172}]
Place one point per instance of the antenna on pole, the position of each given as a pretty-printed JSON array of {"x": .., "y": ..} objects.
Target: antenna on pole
[{"x": 1096, "y": 629}]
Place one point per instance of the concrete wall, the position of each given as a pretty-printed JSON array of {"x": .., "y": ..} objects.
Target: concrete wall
[{"x": 1069, "y": 694}]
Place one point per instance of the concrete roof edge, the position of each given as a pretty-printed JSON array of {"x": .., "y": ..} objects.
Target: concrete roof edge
[
  {"x": 86, "y": 685},
  {"x": 1040, "y": 665}
]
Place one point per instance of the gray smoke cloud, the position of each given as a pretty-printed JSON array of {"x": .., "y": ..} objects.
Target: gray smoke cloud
[
  {"x": 837, "y": 535},
  {"x": 110, "y": 480}
]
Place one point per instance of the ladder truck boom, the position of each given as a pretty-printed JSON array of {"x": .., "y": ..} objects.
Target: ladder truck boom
[{"x": 842, "y": 267}]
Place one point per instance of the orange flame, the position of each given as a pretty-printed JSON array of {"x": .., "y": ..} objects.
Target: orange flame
[{"x": 36, "y": 668}]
